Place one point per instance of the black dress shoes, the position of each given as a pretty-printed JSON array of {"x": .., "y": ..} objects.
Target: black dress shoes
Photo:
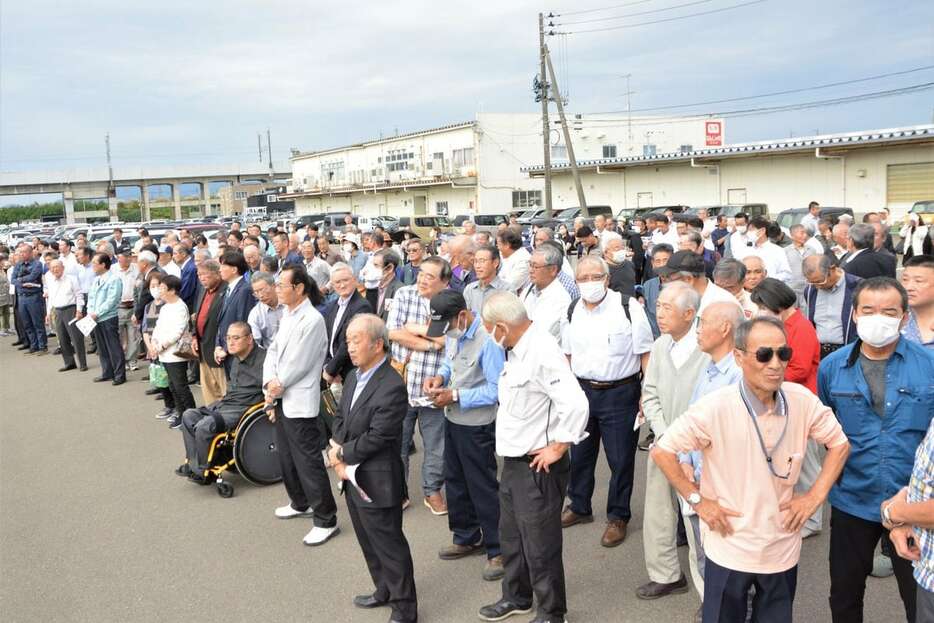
[
  {"x": 57, "y": 351},
  {"x": 118, "y": 382},
  {"x": 83, "y": 368},
  {"x": 502, "y": 609},
  {"x": 67, "y": 368},
  {"x": 101, "y": 379},
  {"x": 153, "y": 391},
  {"x": 368, "y": 601},
  {"x": 23, "y": 347}
]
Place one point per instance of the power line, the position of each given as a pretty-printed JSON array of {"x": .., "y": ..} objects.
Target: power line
[
  {"x": 606, "y": 8},
  {"x": 659, "y": 21},
  {"x": 775, "y": 93},
  {"x": 625, "y": 15}
]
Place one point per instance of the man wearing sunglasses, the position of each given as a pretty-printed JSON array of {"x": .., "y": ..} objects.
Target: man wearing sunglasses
[
  {"x": 882, "y": 392},
  {"x": 745, "y": 498}
]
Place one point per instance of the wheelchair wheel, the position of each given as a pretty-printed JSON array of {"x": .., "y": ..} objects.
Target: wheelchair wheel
[
  {"x": 255, "y": 451},
  {"x": 225, "y": 489}
]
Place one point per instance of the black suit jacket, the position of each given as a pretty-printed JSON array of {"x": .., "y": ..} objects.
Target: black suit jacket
[
  {"x": 143, "y": 297},
  {"x": 870, "y": 264},
  {"x": 394, "y": 285},
  {"x": 209, "y": 337},
  {"x": 236, "y": 307},
  {"x": 339, "y": 364},
  {"x": 371, "y": 435}
]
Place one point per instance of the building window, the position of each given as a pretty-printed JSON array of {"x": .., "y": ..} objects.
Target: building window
[
  {"x": 522, "y": 199},
  {"x": 648, "y": 150},
  {"x": 332, "y": 172},
  {"x": 686, "y": 149},
  {"x": 463, "y": 157},
  {"x": 240, "y": 194},
  {"x": 609, "y": 151},
  {"x": 438, "y": 155},
  {"x": 441, "y": 208},
  {"x": 272, "y": 198},
  {"x": 559, "y": 152}
]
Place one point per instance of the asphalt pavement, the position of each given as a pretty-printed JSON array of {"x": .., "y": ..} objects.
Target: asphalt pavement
[{"x": 95, "y": 526}]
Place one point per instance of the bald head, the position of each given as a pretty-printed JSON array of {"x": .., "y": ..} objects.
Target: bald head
[{"x": 755, "y": 271}]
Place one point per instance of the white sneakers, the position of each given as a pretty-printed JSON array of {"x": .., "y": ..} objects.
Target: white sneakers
[
  {"x": 319, "y": 536},
  {"x": 287, "y": 512}
]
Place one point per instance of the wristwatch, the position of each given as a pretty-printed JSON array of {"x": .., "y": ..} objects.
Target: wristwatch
[{"x": 694, "y": 499}]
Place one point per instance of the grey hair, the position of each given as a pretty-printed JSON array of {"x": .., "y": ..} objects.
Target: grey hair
[
  {"x": 742, "y": 332},
  {"x": 263, "y": 276},
  {"x": 592, "y": 259},
  {"x": 730, "y": 269},
  {"x": 341, "y": 266},
  {"x": 685, "y": 297},
  {"x": 693, "y": 236},
  {"x": 611, "y": 236},
  {"x": 547, "y": 230},
  {"x": 205, "y": 253},
  {"x": 212, "y": 266},
  {"x": 147, "y": 256},
  {"x": 183, "y": 248},
  {"x": 503, "y": 307},
  {"x": 375, "y": 328},
  {"x": 552, "y": 256},
  {"x": 862, "y": 235},
  {"x": 817, "y": 265},
  {"x": 795, "y": 227}
]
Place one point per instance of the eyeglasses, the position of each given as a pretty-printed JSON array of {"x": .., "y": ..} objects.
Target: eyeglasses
[
  {"x": 765, "y": 354},
  {"x": 591, "y": 278}
]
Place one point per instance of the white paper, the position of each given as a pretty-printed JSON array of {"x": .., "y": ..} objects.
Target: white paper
[
  {"x": 351, "y": 472},
  {"x": 86, "y": 325}
]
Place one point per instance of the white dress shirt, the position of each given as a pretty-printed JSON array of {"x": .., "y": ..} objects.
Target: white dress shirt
[
  {"x": 85, "y": 281},
  {"x": 669, "y": 237},
  {"x": 775, "y": 260},
  {"x": 172, "y": 269},
  {"x": 514, "y": 270},
  {"x": 682, "y": 349},
  {"x": 603, "y": 344},
  {"x": 540, "y": 400},
  {"x": 62, "y": 292},
  {"x": 739, "y": 246},
  {"x": 341, "y": 308},
  {"x": 714, "y": 294},
  {"x": 129, "y": 278},
  {"x": 546, "y": 308}
]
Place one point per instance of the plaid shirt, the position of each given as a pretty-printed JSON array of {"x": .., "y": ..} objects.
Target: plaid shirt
[
  {"x": 408, "y": 306},
  {"x": 921, "y": 489}
]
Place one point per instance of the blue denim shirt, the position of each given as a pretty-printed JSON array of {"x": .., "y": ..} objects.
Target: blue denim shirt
[{"x": 882, "y": 450}]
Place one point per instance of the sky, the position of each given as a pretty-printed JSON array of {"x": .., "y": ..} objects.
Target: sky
[{"x": 188, "y": 82}]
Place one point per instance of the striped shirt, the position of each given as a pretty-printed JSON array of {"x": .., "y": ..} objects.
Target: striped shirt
[{"x": 921, "y": 489}]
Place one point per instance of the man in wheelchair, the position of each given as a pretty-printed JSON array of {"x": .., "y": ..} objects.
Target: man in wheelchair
[{"x": 244, "y": 389}]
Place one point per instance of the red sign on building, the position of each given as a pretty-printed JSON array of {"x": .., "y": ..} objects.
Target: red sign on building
[{"x": 714, "y": 133}]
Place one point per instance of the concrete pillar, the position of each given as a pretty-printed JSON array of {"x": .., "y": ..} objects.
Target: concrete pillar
[
  {"x": 69, "y": 201},
  {"x": 177, "y": 198},
  {"x": 144, "y": 201},
  {"x": 206, "y": 197},
  {"x": 112, "y": 207}
]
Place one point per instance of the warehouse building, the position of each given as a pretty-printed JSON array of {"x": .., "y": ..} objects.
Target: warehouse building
[
  {"x": 864, "y": 171},
  {"x": 473, "y": 167}
]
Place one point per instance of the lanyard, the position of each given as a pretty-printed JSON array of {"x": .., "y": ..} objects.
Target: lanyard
[{"x": 783, "y": 411}]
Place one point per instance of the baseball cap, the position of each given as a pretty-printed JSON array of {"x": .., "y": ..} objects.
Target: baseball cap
[
  {"x": 445, "y": 306},
  {"x": 683, "y": 261},
  {"x": 166, "y": 249}
]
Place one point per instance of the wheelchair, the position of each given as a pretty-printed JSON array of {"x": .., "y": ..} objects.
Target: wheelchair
[{"x": 249, "y": 449}]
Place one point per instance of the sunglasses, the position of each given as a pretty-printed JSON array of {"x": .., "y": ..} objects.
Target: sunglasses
[{"x": 765, "y": 354}]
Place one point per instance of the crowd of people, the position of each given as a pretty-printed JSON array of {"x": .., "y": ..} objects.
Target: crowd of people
[{"x": 765, "y": 371}]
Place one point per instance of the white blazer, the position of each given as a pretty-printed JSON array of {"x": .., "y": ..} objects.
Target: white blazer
[{"x": 296, "y": 357}]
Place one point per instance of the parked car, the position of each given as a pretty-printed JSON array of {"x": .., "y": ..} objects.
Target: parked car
[
  {"x": 925, "y": 210},
  {"x": 567, "y": 216},
  {"x": 732, "y": 209},
  {"x": 421, "y": 226},
  {"x": 787, "y": 218},
  {"x": 526, "y": 217},
  {"x": 484, "y": 222}
]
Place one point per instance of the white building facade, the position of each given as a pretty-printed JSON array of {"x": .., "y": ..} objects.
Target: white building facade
[
  {"x": 472, "y": 167},
  {"x": 864, "y": 171}
]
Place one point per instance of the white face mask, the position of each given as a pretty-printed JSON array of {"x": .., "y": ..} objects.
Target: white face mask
[
  {"x": 878, "y": 330},
  {"x": 740, "y": 229},
  {"x": 619, "y": 256},
  {"x": 501, "y": 342},
  {"x": 752, "y": 235},
  {"x": 348, "y": 248},
  {"x": 155, "y": 293},
  {"x": 455, "y": 332},
  {"x": 592, "y": 291}
]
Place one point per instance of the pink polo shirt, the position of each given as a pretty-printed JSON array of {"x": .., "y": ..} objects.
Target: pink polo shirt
[{"x": 736, "y": 474}]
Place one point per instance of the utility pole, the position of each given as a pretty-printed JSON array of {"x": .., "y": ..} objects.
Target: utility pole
[
  {"x": 546, "y": 125},
  {"x": 110, "y": 169},
  {"x": 259, "y": 146},
  {"x": 629, "y": 109},
  {"x": 269, "y": 151},
  {"x": 111, "y": 189},
  {"x": 567, "y": 131}
]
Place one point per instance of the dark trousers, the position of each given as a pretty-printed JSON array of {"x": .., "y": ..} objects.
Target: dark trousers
[
  {"x": 303, "y": 471},
  {"x": 852, "y": 547},
  {"x": 530, "y": 535},
  {"x": 32, "y": 314},
  {"x": 178, "y": 384},
  {"x": 168, "y": 399},
  {"x": 387, "y": 555},
  {"x": 199, "y": 427},
  {"x": 612, "y": 415},
  {"x": 69, "y": 336},
  {"x": 109, "y": 350},
  {"x": 726, "y": 595},
  {"x": 18, "y": 322},
  {"x": 471, "y": 485}
]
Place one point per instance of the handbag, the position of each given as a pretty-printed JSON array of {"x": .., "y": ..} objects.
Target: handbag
[
  {"x": 184, "y": 348},
  {"x": 400, "y": 366},
  {"x": 158, "y": 377}
]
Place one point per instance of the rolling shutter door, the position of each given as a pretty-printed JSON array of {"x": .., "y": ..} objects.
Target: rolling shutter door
[{"x": 907, "y": 183}]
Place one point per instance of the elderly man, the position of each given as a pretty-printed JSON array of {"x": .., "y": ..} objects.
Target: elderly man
[
  {"x": 337, "y": 317},
  {"x": 829, "y": 296},
  {"x": 181, "y": 255},
  {"x": 693, "y": 241},
  {"x": 861, "y": 260},
  {"x": 205, "y": 317},
  {"x": 284, "y": 252},
  {"x": 128, "y": 274},
  {"x": 486, "y": 266},
  {"x": 841, "y": 237},
  {"x": 103, "y": 303},
  {"x": 622, "y": 270},
  {"x": 470, "y": 228},
  {"x": 254, "y": 259},
  {"x": 326, "y": 252},
  {"x": 796, "y": 252},
  {"x": 244, "y": 389},
  {"x": 387, "y": 263},
  {"x": 462, "y": 249},
  {"x": 26, "y": 279},
  {"x": 466, "y": 388},
  {"x": 292, "y": 385},
  {"x": 545, "y": 299},
  {"x": 607, "y": 338},
  {"x": 751, "y": 524},
  {"x": 880, "y": 389},
  {"x": 674, "y": 356},
  {"x": 367, "y": 436},
  {"x": 318, "y": 269},
  {"x": 918, "y": 280},
  {"x": 514, "y": 264},
  {"x": 730, "y": 275},
  {"x": 419, "y": 357},
  {"x": 688, "y": 267},
  {"x": 773, "y": 257},
  {"x": 63, "y": 294},
  {"x": 265, "y": 316},
  {"x": 756, "y": 271},
  {"x": 415, "y": 253},
  {"x": 542, "y": 413}
]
